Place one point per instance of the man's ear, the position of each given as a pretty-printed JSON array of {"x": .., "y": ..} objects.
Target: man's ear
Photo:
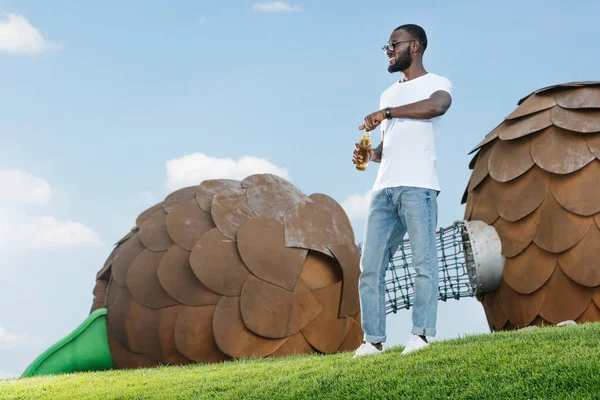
[{"x": 415, "y": 46}]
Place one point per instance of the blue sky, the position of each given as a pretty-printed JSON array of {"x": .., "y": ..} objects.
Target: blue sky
[{"x": 107, "y": 106}]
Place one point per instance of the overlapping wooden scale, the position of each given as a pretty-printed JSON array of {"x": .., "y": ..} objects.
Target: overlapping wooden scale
[
  {"x": 528, "y": 271},
  {"x": 579, "y": 192},
  {"x": 533, "y": 104},
  {"x": 230, "y": 210},
  {"x": 259, "y": 179},
  {"x": 166, "y": 332},
  {"x": 591, "y": 314},
  {"x": 593, "y": 142},
  {"x": 559, "y": 229},
  {"x": 186, "y": 223},
  {"x": 339, "y": 215},
  {"x": 207, "y": 190},
  {"x": 355, "y": 335},
  {"x": 516, "y": 236},
  {"x": 153, "y": 232},
  {"x": 118, "y": 302},
  {"x": 465, "y": 195},
  {"x": 481, "y": 170},
  {"x": 125, "y": 359},
  {"x": 99, "y": 294},
  {"x": 585, "y": 97},
  {"x": 520, "y": 309},
  {"x": 142, "y": 330},
  {"x": 582, "y": 262},
  {"x": 143, "y": 283},
  {"x": 473, "y": 161},
  {"x": 493, "y": 311},
  {"x": 509, "y": 326},
  {"x": 327, "y": 332},
  {"x": 146, "y": 213},
  {"x": 312, "y": 226},
  {"x": 178, "y": 197},
  {"x": 129, "y": 234},
  {"x": 126, "y": 253},
  {"x": 539, "y": 321},
  {"x": 584, "y": 121},
  {"x": 263, "y": 249},
  {"x": 485, "y": 201},
  {"x": 349, "y": 260},
  {"x": 554, "y": 88},
  {"x": 520, "y": 197},
  {"x": 489, "y": 138},
  {"x": 596, "y": 296},
  {"x": 565, "y": 299},
  {"x": 273, "y": 312},
  {"x": 194, "y": 335},
  {"x": 267, "y": 198},
  {"x": 295, "y": 344},
  {"x": 514, "y": 129},
  {"x": 216, "y": 262},
  {"x": 469, "y": 208},
  {"x": 559, "y": 151},
  {"x": 232, "y": 336},
  {"x": 510, "y": 159},
  {"x": 597, "y": 219},
  {"x": 179, "y": 281},
  {"x": 320, "y": 270},
  {"x": 106, "y": 269}
]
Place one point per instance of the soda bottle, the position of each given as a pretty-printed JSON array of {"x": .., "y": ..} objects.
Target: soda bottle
[{"x": 364, "y": 150}]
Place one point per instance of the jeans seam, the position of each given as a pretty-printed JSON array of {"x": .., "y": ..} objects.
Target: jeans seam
[
  {"x": 382, "y": 260},
  {"x": 428, "y": 200}
]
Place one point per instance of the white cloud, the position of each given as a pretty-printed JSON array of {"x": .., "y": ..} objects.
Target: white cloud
[
  {"x": 357, "y": 206},
  {"x": 22, "y": 187},
  {"x": 18, "y": 36},
  {"x": 10, "y": 341},
  {"x": 195, "y": 168},
  {"x": 20, "y": 230},
  {"x": 275, "y": 7},
  {"x": 203, "y": 20}
]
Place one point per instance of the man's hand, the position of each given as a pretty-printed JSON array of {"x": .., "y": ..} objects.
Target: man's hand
[
  {"x": 372, "y": 121},
  {"x": 374, "y": 154}
]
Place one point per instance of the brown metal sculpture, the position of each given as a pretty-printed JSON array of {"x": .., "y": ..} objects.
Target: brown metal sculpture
[
  {"x": 231, "y": 269},
  {"x": 536, "y": 178}
]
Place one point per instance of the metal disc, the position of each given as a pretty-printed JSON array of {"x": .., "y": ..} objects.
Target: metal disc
[
  {"x": 126, "y": 253},
  {"x": 262, "y": 247},
  {"x": 579, "y": 192},
  {"x": 584, "y": 121},
  {"x": 559, "y": 229},
  {"x": 520, "y": 309},
  {"x": 125, "y": 359},
  {"x": 217, "y": 264},
  {"x": 274, "y": 199},
  {"x": 493, "y": 311},
  {"x": 514, "y": 129},
  {"x": 516, "y": 236},
  {"x": 232, "y": 336},
  {"x": 585, "y": 97},
  {"x": 565, "y": 299},
  {"x": 261, "y": 179},
  {"x": 596, "y": 297},
  {"x": 178, "y": 197},
  {"x": 349, "y": 260},
  {"x": 142, "y": 281},
  {"x": 170, "y": 355},
  {"x": 481, "y": 170},
  {"x": 593, "y": 142},
  {"x": 194, "y": 336},
  {"x": 148, "y": 212},
  {"x": 153, "y": 232},
  {"x": 273, "y": 312},
  {"x": 533, "y": 104},
  {"x": 591, "y": 314},
  {"x": 312, "y": 226},
  {"x": 489, "y": 138},
  {"x": 510, "y": 159},
  {"x": 142, "y": 328},
  {"x": 354, "y": 337},
  {"x": 295, "y": 344},
  {"x": 230, "y": 210},
  {"x": 582, "y": 262},
  {"x": 179, "y": 281},
  {"x": 521, "y": 196},
  {"x": 327, "y": 332},
  {"x": 207, "y": 190},
  {"x": 320, "y": 271},
  {"x": 528, "y": 271},
  {"x": 118, "y": 301},
  {"x": 485, "y": 201},
  {"x": 559, "y": 151},
  {"x": 339, "y": 215},
  {"x": 186, "y": 223}
]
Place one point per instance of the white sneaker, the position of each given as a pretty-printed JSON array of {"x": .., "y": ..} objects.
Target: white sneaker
[
  {"x": 415, "y": 343},
  {"x": 366, "y": 349}
]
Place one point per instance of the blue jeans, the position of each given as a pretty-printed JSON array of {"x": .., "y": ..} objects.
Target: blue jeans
[{"x": 393, "y": 212}]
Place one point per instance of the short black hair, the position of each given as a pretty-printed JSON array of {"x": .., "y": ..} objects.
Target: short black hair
[{"x": 415, "y": 31}]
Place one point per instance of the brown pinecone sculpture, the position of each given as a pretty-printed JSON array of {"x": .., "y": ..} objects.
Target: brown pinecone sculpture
[
  {"x": 536, "y": 178},
  {"x": 230, "y": 269}
]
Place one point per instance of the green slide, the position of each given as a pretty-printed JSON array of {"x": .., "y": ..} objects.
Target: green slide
[{"x": 86, "y": 349}]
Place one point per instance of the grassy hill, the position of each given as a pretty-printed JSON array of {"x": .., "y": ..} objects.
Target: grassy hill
[{"x": 545, "y": 363}]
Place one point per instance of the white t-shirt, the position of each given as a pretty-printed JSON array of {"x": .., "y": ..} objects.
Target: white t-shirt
[{"x": 408, "y": 144}]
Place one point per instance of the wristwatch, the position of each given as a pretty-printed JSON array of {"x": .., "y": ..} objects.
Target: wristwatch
[{"x": 388, "y": 113}]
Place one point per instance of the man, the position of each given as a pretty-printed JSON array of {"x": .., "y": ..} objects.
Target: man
[{"x": 404, "y": 197}]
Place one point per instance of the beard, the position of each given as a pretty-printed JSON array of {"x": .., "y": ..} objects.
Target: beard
[{"x": 402, "y": 62}]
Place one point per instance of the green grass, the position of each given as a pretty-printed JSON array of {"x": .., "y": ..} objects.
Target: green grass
[{"x": 545, "y": 363}]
